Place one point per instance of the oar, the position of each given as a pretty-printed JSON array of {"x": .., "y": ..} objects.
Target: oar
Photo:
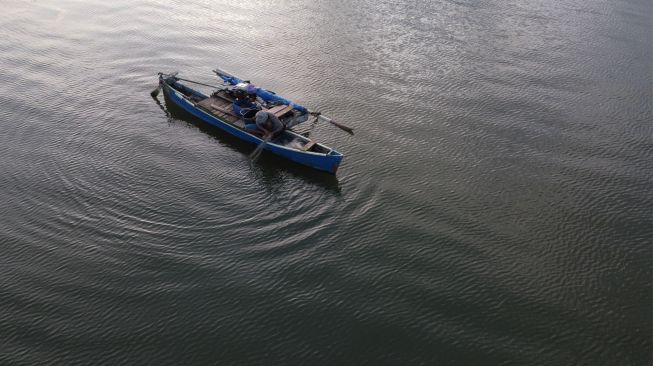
[
  {"x": 259, "y": 149},
  {"x": 349, "y": 130},
  {"x": 155, "y": 92},
  {"x": 198, "y": 83}
]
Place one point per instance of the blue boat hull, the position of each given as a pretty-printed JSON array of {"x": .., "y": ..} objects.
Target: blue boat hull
[{"x": 327, "y": 162}]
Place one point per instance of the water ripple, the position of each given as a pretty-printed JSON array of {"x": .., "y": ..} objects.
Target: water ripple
[{"x": 495, "y": 198}]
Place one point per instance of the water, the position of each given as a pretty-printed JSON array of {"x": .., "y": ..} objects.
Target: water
[{"x": 494, "y": 206}]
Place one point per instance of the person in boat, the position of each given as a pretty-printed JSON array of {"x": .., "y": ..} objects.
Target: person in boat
[{"x": 267, "y": 126}]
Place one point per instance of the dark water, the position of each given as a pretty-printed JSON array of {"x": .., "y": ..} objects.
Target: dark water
[{"x": 494, "y": 207}]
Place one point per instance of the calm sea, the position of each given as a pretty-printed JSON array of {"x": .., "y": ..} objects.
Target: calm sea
[{"x": 495, "y": 206}]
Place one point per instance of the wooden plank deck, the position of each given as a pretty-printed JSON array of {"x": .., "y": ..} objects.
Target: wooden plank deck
[
  {"x": 309, "y": 145},
  {"x": 279, "y": 110},
  {"x": 220, "y": 106}
]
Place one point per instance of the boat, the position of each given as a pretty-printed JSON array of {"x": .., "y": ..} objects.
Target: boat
[{"x": 221, "y": 109}]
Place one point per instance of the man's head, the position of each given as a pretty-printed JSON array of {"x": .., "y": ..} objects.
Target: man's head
[{"x": 261, "y": 118}]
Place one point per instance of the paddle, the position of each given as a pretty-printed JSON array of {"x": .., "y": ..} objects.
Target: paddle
[
  {"x": 349, "y": 130},
  {"x": 198, "y": 83},
  {"x": 155, "y": 92},
  {"x": 259, "y": 149}
]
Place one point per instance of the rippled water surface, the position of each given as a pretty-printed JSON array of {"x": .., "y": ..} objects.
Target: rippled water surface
[{"x": 494, "y": 207}]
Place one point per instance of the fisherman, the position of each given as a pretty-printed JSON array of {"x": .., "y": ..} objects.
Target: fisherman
[{"x": 267, "y": 125}]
